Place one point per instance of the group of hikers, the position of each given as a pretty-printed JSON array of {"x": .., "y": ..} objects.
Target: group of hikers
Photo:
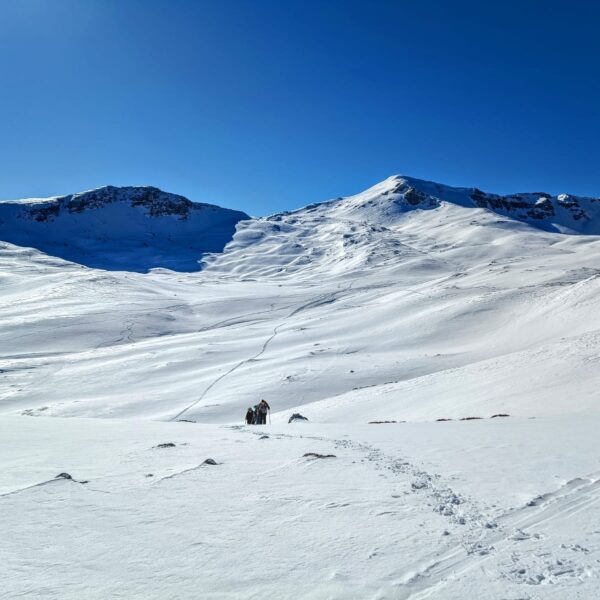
[{"x": 257, "y": 415}]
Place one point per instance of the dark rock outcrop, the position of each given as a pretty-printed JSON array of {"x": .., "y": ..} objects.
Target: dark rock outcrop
[
  {"x": 317, "y": 455},
  {"x": 297, "y": 417}
]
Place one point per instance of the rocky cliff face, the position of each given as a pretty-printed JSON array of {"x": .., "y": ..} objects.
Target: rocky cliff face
[{"x": 539, "y": 206}]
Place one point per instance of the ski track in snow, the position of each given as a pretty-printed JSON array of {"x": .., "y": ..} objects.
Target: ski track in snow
[
  {"x": 318, "y": 301},
  {"x": 36, "y": 485},
  {"x": 229, "y": 372}
]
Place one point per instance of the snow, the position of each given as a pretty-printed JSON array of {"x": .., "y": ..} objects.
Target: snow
[
  {"x": 402, "y": 511},
  {"x": 133, "y": 228},
  {"x": 410, "y": 302}
]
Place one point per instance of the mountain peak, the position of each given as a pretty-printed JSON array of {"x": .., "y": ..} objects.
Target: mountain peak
[
  {"x": 398, "y": 194},
  {"x": 157, "y": 202},
  {"x": 131, "y": 227}
]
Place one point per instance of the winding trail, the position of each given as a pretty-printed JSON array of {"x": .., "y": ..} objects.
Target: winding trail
[
  {"x": 326, "y": 298},
  {"x": 229, "y": 372}
]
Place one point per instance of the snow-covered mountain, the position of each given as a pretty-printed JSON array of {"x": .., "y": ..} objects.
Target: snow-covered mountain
[
  {"x": 127, "y": 228},
  {"x": 344, "y": 233},
  {"x": 563, "y": 213},
  {"x": 395, "y": 290},
  {"x": 411, "y": 303}
]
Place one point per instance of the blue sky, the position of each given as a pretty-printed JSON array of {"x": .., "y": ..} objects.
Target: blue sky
[{"x": 265, "y": 106}]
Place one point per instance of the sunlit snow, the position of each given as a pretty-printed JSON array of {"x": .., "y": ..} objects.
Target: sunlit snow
[{"x": 413, "y": 303}]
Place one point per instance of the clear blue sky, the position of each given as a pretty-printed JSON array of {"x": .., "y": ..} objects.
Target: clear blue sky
[{"x": 268, "y": 105}]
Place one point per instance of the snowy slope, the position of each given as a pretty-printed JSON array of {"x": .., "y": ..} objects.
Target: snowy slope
[
  {"x": 448, "y": 511},
  {"x": 411, "y": 301},
  {"x": 445, "y": 312},
  {"x": 128, "y": 228}
]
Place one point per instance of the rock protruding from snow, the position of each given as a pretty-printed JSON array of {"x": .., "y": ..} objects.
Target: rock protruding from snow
[
  {"x": 297, "y": 417},
  {"x": 317, "y": 455},
  {"x": 120, "y": 228}
]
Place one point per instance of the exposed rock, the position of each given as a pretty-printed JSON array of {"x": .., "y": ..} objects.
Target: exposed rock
[
  {"x": 157, "y": 202},
  {"x": 414, "y": 197},
  {"x": 317, "y": 455},
  {"x": 166, "y": 445},
  {"x": 297, "y": 417},
  {"x": 45, "y": 212},
  {"x": 70, "y": 478},
  {"x": 536, "y": 206},
  {"x": 210, "y": 461}
]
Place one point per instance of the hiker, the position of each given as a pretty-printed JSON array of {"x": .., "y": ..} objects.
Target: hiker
[
  {"x": 250, "y": 416},
  {"x": 263, "y": 408}
]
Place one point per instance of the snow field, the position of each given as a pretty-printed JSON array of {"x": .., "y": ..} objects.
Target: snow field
[
  {"x": 402, "y": 510},
  {"x": 363, "y": 309}
]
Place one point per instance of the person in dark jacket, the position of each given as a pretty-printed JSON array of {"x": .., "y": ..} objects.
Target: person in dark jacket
[
  {"x": 250, "y": 416},
  {"x": 262, "y": 410}
]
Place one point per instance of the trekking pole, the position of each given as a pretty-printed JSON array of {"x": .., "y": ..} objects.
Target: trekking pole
[{"x": 269, "y": 416}]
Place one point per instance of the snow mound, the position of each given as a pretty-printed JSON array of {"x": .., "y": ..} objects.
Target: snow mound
[{"x": 120, "y": 228}]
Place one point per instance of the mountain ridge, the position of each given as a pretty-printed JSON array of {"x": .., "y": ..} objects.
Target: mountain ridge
[
  {"x": 130, "y": 228},
  {"x": 149, "y": 196},
  {"x": 138, "y": 228},
  {"x": 561, "y": 213}
]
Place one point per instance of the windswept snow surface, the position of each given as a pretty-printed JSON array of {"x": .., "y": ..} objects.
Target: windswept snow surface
[{"x": 409, "y": 302}]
